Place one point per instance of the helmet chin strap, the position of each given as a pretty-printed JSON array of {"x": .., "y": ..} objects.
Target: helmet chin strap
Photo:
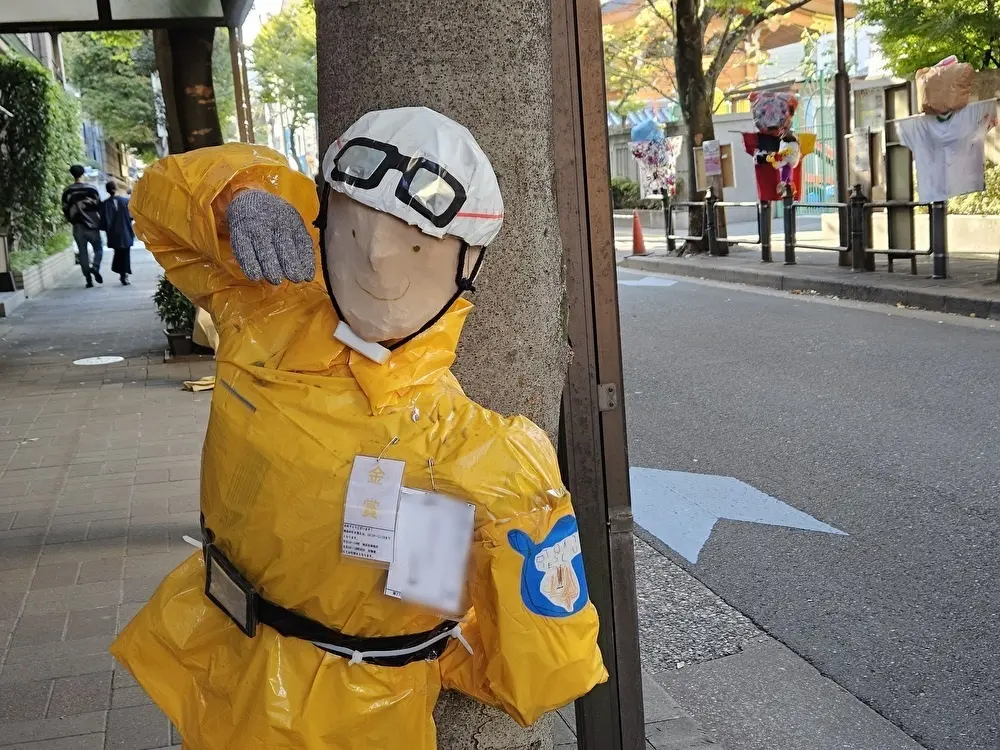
[{"x": 463, "y": 282}]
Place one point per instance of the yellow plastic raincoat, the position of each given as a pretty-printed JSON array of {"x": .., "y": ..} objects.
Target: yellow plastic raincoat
[{"x": 291, "y": 410}]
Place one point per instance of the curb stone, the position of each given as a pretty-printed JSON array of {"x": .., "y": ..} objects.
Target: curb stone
[{"x": 847, "y": 288}]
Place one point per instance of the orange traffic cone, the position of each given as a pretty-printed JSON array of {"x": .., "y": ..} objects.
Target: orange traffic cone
[{"x": 638, "y": 244}]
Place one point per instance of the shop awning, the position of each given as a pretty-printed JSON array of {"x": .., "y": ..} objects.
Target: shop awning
[{"x": 106, "y": 15}]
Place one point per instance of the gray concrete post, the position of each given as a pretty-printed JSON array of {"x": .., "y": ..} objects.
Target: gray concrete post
[{"x": 487, "y": 65}]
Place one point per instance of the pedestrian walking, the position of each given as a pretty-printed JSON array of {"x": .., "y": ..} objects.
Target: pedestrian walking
[
  {"x": 82, "y": 208},
  {"x": 116, "y": 221}
]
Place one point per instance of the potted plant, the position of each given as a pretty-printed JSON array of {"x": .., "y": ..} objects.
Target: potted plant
[{"x": 177, "y": 313}]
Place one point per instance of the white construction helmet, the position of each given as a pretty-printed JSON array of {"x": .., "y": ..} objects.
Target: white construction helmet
[{"x": 421, "y": 167}]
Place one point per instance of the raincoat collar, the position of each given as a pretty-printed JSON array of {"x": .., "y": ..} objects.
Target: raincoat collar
[{"x": 422, "y": 360}]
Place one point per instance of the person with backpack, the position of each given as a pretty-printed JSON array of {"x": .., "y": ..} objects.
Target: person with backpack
[
  {"x": 116, "y": 221},
  {"x": 81, "y": 205}
]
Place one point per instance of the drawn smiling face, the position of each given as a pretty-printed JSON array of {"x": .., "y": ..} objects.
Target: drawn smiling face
[
  {"x": 561, "y": 587},
  {"x": 553, "y": 583}
]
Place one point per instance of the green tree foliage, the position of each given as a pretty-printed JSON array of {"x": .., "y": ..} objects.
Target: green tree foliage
[
  {"x": 284, "y": 57},
  {"x": 112, "y": 71},
  {"x": 916, "y": 34},
  {"x": 625, "y": 194},
  {"x": 41, "y": 141},
  {"x": 641, "y": 54},
  {"x": 639, "y": 57}
]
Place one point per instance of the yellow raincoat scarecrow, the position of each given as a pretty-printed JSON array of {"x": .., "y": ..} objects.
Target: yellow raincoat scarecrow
[{"x": 292, "y": 409}]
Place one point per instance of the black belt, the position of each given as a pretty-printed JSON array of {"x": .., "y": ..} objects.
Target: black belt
[{"x": 231, "y": 592}]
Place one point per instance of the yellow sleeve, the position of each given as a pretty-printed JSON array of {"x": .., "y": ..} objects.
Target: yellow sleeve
[
  {"x": 179, "y": 209},
  {"x": 534, "y": 630}
]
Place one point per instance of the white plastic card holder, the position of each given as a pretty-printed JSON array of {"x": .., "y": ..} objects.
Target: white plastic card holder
[
  {"x": 370, "y": 509},
  {"x": 433, "y": 543}
]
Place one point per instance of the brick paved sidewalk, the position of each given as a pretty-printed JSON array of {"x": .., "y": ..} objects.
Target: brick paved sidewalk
[{"x": 98, "y": 483}]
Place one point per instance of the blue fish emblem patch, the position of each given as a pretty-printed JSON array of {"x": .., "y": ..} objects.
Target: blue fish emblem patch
[{"x": 553, "y": 583}]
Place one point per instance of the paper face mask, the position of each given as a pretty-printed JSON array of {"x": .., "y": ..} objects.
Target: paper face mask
[
  {"x": 773, "y": 112},
  {"x": 388, "y": 277}
]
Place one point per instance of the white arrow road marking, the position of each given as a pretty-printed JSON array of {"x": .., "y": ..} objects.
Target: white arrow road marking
[
  {"x": 681, "y": 509},
  {"x": 647, "y": 281}
]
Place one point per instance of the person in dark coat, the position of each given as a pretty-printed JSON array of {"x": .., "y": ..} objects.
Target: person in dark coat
[
  {"x": 81, "y": 204},
  {"x": 116, "y": 221}
]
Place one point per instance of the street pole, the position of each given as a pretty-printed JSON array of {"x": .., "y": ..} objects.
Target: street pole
[
  {"x": 842, "y": 123},
  {"x": 592, "y": 439},
  {"x": 238, "y": 92}
]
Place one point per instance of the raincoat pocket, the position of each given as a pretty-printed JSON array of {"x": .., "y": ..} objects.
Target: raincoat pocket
[{"x": 538, "y": 626}]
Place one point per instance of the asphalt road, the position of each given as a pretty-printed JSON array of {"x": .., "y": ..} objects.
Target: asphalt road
[{"x": 878, "y": 421}]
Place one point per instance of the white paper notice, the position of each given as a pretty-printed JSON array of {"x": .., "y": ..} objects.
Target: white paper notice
[
  {"x": 712, "y": 152},
  {"x": 370, "y": 509},
  {"x": 433, "y": 542}
]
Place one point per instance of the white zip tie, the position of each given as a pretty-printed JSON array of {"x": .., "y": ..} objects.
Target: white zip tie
[
  {"x": 356, "y": 657},
  {"x": 457, "y": 633},
  {"x": 193, "y": 542}
]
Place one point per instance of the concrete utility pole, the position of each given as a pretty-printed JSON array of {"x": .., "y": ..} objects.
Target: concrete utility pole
[
  {"x": 527, "y": 79},
  {"x": 487, "y": 66}
]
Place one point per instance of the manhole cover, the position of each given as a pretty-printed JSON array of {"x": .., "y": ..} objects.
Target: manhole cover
[{"x": 98, "y": 361}]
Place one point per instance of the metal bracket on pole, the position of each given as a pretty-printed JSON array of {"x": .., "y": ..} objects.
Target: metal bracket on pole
[{"x": 607, "y": 396}]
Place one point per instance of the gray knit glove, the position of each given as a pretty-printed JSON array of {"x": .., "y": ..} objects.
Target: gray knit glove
[{"x": 269, "y": 238}]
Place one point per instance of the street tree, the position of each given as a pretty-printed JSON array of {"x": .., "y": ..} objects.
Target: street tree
[
  {"x": 679, "y": 49},
  {"x": 916, "y": 34},
  {"x": 112, "y": 70},
  {"x": 284, "y": 58},
  {"x": 639, "y": 57}
]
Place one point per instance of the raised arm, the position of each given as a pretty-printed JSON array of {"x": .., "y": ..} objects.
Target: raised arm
[{"x": 181, "y": 205}]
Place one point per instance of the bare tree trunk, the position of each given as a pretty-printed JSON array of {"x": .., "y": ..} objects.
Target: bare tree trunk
[
  {"x": 460, "y": 59},
  {"x": 193, "y": 90},
  {"x": 696, "y": 99},
  {"x": 165, "y": 67}
]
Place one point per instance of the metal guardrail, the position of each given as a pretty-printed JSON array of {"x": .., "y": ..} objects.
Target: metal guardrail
[
  {"x": 741, "y": 204},
  {"x": 893, "y": 254},
  {"x": 790, "y": 206},
  {"x": 671, "y": 237},
  {"x": 854, "y": 215},
  {"x": 871, "y": 208}
]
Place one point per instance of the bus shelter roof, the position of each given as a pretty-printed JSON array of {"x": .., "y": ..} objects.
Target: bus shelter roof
[{"x": 108, "y": 15}]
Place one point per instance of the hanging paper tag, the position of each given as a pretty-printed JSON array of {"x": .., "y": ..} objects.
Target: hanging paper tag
[
  {"x": 433, "y": 543},
  {"x": 370, "y": 509}
]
